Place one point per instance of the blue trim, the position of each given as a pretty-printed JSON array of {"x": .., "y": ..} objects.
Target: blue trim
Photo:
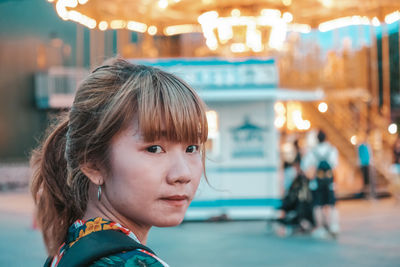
[
  {"x": 211, "y": 87},
  {"x": 203, "y": 61},
  {"x": 42, "y": 102},
  {"x": 247, "y": 202},
  {"x": 243, "y": 169}
]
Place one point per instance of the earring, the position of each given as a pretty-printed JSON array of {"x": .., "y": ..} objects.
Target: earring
[{"x": 99, "y": 193}]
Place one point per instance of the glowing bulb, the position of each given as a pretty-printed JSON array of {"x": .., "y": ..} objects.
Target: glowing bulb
[
  {"x": 279, "y": 122},
  {"x": 207, "y": 17},
  {"x": 103, "y": 25},
  {"x": 376, "y": 22},
  {"x": 235, "y": 12},
  {"x": 163, "y": 4},
  {"x": 136, "y": 26},
  {"x": 286, "y": 2},
  {"x": 279, "y": 108},
  {"x": 322, "y": 107},
  {"x": 392, "y": 128},
  {"x": 327, "y": 3},
  {"x": 82, "y": 2},
  {"x": 271, "y": 13},
  {"x": 287, "y": 17},
  {"x": 392, "y": 17},
  {"x": 212, "y": 44},
  {"x": 152, "y": 30},
  {"x": 117, "y": 24},
  {"x": 353, "y": 140},
  {"x": 212, "y": 121},
  {"x": 306, "y": 125}
]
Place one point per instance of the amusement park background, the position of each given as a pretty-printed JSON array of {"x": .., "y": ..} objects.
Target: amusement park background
[{"x": 305, "y": 65}]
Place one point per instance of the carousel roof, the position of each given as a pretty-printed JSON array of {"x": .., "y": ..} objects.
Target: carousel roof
[{"x": 106, "y": 14}]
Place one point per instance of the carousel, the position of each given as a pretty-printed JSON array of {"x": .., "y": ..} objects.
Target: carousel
[{"x": 289, "y": 83}]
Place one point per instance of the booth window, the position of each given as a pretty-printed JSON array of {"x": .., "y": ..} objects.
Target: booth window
[{"x": 212, "y": 145}]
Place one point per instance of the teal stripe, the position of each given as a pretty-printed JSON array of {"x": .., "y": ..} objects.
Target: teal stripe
[
  {"x": 249, "y": 86},
  {"x": 247, "y": 202},
  {"x": 204, "y": 62},
  {"x": 42, "y": 102},
  {"x": 242, "y": 169}
]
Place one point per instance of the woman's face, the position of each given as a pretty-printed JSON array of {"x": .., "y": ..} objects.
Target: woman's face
[{"x": 152, "y": 184}]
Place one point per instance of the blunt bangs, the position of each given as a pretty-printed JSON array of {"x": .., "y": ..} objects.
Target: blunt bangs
[{"x": 170, "y": 109}]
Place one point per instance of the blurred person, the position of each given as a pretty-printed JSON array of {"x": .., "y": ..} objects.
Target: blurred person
[
  {"x": 365, "y": 158},
  {"x": 396, "y": 154},
  {"x": 291, "y": 156},
  {"x": 319, "y": 164},
  {"x": 395, "y": 170},
  {"x": 129, "y": 155},
  {"x": 297, "y": 206}
]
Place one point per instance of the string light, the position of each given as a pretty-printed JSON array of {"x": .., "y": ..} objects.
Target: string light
[
  {"x": 103, "y": 25},
  {"x": 279, "y": 122},
  {"x": 375, "y": 21},
  {"x": 392, "y": 17},
  {"x": 117, "y": 24},
  {"x": 136, "y": 26},
  {"x": 235, "y": 12},
  {"x": 220, "y": 30},
  {"x": 226, "y": 27},
  {"x": 323, "y": 107},
  {"x": 163, "y": 4},
  {"x": 353, "y": 140},
  {"x": 327, "y": 3},
  {"x": 287, "y": 17},
  {"x": 392, "y": 129},
  {"x": 152, "y": 30},
  {"x": 343, "y": 22},
  {"x": 180, "y": 29}
]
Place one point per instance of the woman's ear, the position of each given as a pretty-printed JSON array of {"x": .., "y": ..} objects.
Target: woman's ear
[{"x": 93, "y": 173}]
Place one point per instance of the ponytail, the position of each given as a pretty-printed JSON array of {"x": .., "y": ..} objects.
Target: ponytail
[{"x": 51, "y": 193}]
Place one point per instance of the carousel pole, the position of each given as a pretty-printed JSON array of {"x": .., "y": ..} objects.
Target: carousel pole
[
  {"x": 122, "y": 41},
  {"x": 385, "y": 73},
  {"x": 96, "y": 47},
  {"x": 374, "y": 86},
  {"x": 79, "y": 45}
]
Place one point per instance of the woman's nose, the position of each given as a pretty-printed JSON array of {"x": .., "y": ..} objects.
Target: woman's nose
[{"x": 179, "y": 171}]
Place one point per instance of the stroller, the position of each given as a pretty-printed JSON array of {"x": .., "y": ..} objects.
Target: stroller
[{"x": 297, "y": 207}]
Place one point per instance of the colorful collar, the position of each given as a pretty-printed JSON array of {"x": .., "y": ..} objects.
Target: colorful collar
[{"x": 81, "y": 228}]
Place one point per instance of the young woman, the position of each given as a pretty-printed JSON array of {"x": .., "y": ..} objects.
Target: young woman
[{"x": 129, "y": 155}]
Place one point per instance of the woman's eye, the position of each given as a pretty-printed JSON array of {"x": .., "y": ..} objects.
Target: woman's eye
[
  {"x": 192, "y": 149},
  {"x": 155, "y": 149}
]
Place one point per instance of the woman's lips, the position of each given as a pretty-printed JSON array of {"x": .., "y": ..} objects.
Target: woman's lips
[{"x": 176, "y": 200}]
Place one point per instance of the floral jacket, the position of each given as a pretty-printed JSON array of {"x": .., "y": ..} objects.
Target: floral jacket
[{"x": 138, "y": 257}]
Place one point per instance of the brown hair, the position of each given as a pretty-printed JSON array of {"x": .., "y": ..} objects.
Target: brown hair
[{"x": 107, "y": 102}]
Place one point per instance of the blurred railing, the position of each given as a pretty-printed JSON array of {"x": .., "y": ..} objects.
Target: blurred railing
[
  {"x": 343, "y": 121},
  {"x": 56, "y": 87}
]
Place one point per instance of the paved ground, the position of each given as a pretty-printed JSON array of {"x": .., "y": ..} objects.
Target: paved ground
[{"x": 370, "y": 237}]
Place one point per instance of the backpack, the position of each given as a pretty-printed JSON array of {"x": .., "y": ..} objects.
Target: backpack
[
  {"x": 324, "y": 168},
  {"x": 95, "y": 246}
]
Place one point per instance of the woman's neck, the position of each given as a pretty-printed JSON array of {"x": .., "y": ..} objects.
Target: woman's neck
[{"x": 104, "y": 209}]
